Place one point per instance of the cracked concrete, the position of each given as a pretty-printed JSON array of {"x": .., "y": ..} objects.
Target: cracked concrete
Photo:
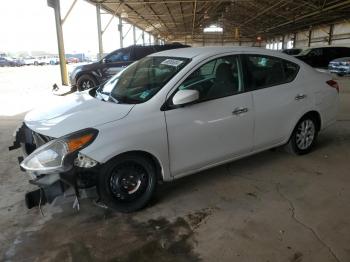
[{"x": 269, "y": 207}]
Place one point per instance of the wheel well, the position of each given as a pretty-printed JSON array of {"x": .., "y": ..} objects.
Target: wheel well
[
  {"x": 88, "y": 74},
  {"x": 316, "y": 116},
  {"x": 152, "y": 158}
]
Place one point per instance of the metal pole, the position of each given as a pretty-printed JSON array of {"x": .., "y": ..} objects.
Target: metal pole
[
  {"x": 60, "y": 42},
  {"x": 330, "y": 36},
  {"x": 309, "y": 38},
  {"x": 99, "y": 31},
  {"x": 134, "y": 34},
  {"x": 295, "y": 40},
  {"x": 283, "y": 40},
  {"x": 120, "y": 28},
  {"x": 143, "y": 37}
]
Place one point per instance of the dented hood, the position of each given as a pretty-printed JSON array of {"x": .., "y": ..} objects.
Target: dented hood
[{"x": 64, "y": 115}]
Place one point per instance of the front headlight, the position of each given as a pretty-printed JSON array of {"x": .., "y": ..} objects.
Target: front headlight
[{"x": 54, "y": 156}]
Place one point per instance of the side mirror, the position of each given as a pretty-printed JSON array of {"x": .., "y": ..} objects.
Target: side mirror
[{"x": 183, "y": 97}]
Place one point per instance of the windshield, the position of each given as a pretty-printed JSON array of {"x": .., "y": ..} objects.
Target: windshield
[{"x": 142, "y": 80}]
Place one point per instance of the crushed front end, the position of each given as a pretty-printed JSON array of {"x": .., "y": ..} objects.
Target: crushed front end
[{"x": 55, "y": 165}]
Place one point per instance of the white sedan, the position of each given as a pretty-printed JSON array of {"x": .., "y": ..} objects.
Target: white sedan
[{"x": 172, "y": 114}]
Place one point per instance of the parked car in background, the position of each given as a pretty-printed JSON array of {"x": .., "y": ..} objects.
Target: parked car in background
[
  {"x": 292, "y": 51},
  {"x": 320, "y": 57},
  {"x": 7, "y": 61},
  {"x": 29, "y": 60},
  {"x": 90, "y": 75},
  {"x": 172, "y": 114},
  {"x": 54, "y": 60},
  {"x": 70, "y": 60},
  {"x": 340, "y": 66}
]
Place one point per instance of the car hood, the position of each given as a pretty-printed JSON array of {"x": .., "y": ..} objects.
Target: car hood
[{"x": 64, "y": 115}]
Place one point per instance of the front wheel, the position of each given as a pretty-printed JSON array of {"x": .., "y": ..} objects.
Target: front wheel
[
  {"x": 303, "y": 137},
  {"x": 127, "y": 182},
  {"x": 86, "y": 82}
]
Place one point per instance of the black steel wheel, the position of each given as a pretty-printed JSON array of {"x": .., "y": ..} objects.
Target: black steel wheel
[{"x": 127, "y": 182}]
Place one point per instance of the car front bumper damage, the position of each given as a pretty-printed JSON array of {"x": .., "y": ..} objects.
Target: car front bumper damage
[{"x": 70, "y": 184}]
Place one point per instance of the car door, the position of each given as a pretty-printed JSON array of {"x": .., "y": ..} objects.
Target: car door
[
  {"x": 216, "y": 128},
  {"x": 277, "y": 100}
]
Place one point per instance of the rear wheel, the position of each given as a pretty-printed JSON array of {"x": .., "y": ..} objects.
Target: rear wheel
[
  {"x": 86, "y": 82},
  {"x": 303, "y": 137},
  {"x": 127, "y": 182}
]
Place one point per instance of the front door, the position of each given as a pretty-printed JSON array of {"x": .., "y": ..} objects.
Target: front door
[{"x": 216, "y": 128}]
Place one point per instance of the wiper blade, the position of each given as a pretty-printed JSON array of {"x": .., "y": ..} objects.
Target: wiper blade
[{"x": 127, "y": 100}]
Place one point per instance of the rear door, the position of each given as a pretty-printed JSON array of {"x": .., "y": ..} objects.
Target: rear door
[{"x": 276, "y": 98}]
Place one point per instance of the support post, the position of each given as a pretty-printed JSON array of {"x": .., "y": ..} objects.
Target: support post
[
  {"x": 295, "y": 40},
  {"x": 99, "y": 31},
  {"x": 120, "y": 29},
  {"x": 330, "y": 34},
  {"x": 143, "y": 37},
  {"x": 63, "y": 67},
  {"x": 134, "y": 34},
  {"x": 283, "y": 42},
  {"x": 309, "y": 38}
]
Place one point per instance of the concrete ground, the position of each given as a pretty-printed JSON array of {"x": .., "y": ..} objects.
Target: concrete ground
[{"x": 269, "y": 207}]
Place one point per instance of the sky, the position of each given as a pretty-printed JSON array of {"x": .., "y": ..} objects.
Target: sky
[{"x": 29, "y": 25}]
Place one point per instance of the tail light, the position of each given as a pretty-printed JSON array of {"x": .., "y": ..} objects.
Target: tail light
[{"x": 333, "y": 84}]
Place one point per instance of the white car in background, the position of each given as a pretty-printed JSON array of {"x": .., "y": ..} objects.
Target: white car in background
[{"x": 172, "y": 114}]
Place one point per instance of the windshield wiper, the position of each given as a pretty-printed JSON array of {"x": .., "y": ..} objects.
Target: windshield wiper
[{"x": 124, "y": 99}]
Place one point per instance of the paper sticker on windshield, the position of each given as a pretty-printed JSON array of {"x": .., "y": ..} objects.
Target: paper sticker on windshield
[
  {"x": 172, "y": 62},
  {"x": 144, "y": 94}
]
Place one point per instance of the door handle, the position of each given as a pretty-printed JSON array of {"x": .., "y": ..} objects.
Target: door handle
[
  {"x": 240, "y": 110},
  {"x": 300, "y": 96}
]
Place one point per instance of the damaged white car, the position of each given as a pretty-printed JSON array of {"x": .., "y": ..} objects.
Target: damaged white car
[{"x": 172, "y": 114}]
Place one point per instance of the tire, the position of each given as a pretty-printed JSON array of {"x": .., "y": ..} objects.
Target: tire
[
  {"x": 127, "y": 182},
  {"x": 303, "y": 137},
  {"x": 36, "y": 63},
  {"x": 86, "y": 82}
]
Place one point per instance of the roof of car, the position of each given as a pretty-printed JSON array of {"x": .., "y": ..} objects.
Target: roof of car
[{"x": 191, "y": 52}]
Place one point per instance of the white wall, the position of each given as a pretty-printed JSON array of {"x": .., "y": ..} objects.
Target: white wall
[{"x": 319, "y": 36}]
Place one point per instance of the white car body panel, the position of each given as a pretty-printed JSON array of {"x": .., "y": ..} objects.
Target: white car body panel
[
  {"x": 72, "y": 113},
  {"x": 188, "y": 139}
]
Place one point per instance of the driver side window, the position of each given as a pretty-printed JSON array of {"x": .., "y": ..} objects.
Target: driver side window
[{"x": 215, "y": 79}]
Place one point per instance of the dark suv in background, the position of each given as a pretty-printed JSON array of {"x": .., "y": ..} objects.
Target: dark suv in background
[
  {"x": 320, "y": 57},
  {"x": 90, "y": 75}
]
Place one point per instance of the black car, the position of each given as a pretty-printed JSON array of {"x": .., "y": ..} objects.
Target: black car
[
  {"x": 320, "y": 57},
  {"x": 292, "y": 51},
  {"x": 90, "y": 75}
]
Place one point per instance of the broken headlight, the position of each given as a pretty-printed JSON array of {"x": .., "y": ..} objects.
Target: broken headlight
[{"x": 53, "y": 157}]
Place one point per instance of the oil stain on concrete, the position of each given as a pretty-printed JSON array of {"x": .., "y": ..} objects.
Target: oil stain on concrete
[{"x": 102, "y": 235}]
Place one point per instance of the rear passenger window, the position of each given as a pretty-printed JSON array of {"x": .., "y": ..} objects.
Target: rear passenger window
[
  {"x": 290, "y": 71},
  {"x": 265, "y": 71}
]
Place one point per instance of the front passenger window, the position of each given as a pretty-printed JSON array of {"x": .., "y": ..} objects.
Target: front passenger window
[{"x": 218, "y": 78}]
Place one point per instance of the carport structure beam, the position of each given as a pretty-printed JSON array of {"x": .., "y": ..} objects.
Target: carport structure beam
[
  {"x": 55, "y": 4},
  {"x": 120, "y": 29},
  {"x": 99, "y": 31}
]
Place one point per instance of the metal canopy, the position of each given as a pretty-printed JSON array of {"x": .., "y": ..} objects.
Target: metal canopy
[{"x": 242, "y": 20}]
